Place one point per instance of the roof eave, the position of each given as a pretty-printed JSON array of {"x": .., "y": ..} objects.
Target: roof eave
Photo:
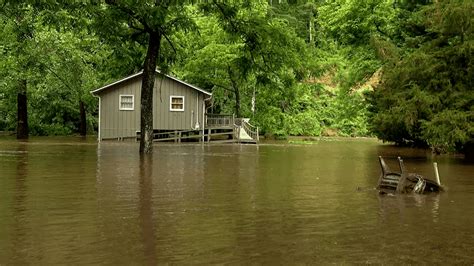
[
  {"x": 95, "y": 92},
  {"x": 116, "y": 82}
]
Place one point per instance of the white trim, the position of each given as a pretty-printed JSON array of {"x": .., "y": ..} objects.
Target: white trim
[
  {"x": 171, "y": 103},
  {"x": 187, "y": 84},
  {"x": 203, "y": 102},
  {"x": 126, "y": 108},
  {"x": 116, "y": 82},
  {"x": 141, "y": 72},
  {"x": 99, "y": 138}
]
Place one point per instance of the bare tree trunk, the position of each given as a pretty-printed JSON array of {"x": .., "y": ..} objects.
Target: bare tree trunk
[
  {"x": 22, "y": 111},
  {"x": 82, "y": 119},
  {"x": 148, "y": 81}
]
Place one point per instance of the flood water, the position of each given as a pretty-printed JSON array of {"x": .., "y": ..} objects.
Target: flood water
[{"x": 72, "y": 201}]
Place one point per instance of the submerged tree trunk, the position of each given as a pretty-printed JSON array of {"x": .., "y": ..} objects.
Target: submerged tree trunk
[
  {"x": 469, "y": 151},
  {"x": 148, "y": 81},
  {"x": 22, "y": 111},
  {"x": 82, "y": 119}
]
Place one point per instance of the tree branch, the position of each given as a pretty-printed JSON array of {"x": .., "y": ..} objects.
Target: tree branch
[
  {"x": 169, "y": 41},
  {"x": 224, "y": 15},
  {"x": 222, "y": 87},
  {"x": 58, "y": 77},
  {"x": 130, "y": 13}
]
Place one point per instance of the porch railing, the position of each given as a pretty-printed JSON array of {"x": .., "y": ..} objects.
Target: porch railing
[
  {"x": 230, "y": 121},
  {"x": 218, "y": 120},
  {"x": 251, "y": 130}
]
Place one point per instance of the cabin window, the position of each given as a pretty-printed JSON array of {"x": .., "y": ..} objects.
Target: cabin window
[
  {"x": 126, "y": 102},
  {"x": 176, "y": 103}
]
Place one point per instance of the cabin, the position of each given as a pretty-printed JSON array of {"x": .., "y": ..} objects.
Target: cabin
[{"x": 179, "y": 112}]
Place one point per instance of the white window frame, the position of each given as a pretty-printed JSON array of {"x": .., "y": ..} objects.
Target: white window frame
[
  {"x": 126, "y": 108},
  {"x": 171, "y": 103}
]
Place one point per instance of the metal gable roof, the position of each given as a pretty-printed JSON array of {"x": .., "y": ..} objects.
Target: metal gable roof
[{"x": 141, "y": 72}]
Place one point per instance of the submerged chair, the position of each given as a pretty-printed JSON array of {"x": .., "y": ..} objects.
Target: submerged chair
[
  {"x": 389, "y": 180},
  {"x": 403, "y": 182}
]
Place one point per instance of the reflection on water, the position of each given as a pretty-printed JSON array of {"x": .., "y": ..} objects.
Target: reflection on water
[
  {"x": 77, "y": 202},
  {"x": 146, "y": 208},
  {"x": 19, "y": 196}
]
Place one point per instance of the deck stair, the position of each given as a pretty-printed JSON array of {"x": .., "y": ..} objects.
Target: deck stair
[{"x": 245, "y": 132}]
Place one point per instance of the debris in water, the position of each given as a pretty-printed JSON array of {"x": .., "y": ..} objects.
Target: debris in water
[{"x": 392, "y": 182}]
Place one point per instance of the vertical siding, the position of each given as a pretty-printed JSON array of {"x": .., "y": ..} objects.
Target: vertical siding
[
  {"x": 120, "y": 123},
  {"x": 117, "y": 123},
  {"x": 175, "y": 120}
]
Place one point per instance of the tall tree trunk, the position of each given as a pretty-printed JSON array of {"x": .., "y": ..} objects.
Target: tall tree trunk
[
  {"x": 148, "y": 81},
  {"x": 235, "y": 87},
  {"x": 237, "y": 101},
  {"x": 82, "y": 119},
  {"x": 22, "y": 111}
]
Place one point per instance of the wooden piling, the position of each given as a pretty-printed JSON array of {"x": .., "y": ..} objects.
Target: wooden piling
[{"x": 435, "y": 166}]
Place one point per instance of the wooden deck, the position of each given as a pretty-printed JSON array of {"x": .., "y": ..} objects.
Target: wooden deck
[{"x": 218, "y": 129}]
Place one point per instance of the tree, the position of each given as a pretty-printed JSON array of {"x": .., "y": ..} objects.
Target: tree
[
  {"x": 251, "y": 49},
  {"x": 210, "y": 60},
  {"x": 300, "y": 15},
  {"x": 347, "y": 32},
  {"x": 62, "y": 102},
  {"x": 425, "y": 98},
  {"x": 19, "y": 21},
  {"x": 254, "y": 49},
  {"x": 49, "y": 54},
  {"x": 147, "y": 22}
]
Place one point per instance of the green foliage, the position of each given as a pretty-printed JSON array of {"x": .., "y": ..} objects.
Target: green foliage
[
  {"x": 348, "y": 33},
  {"x": 448, "y": 129},
  {"x": 312, "y": 111},
  {"x": 245, "y": 50},
  {"x": 303, "y": 68},
  {"x": 57, "y": 62},
  {"x": 353, "y": 22},
  {"x": 300, "y": 15},
  {"x": 239, "y": 52},
  {"x": 426, "y": 97}
]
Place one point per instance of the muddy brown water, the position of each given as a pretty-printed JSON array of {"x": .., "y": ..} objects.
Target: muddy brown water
[{"x": 73, "y": 201}]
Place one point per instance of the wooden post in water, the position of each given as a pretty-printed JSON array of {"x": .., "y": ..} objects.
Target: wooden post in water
[
  {"x": 435, "y": 166},
  {"x": 238, "y": 133}
]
